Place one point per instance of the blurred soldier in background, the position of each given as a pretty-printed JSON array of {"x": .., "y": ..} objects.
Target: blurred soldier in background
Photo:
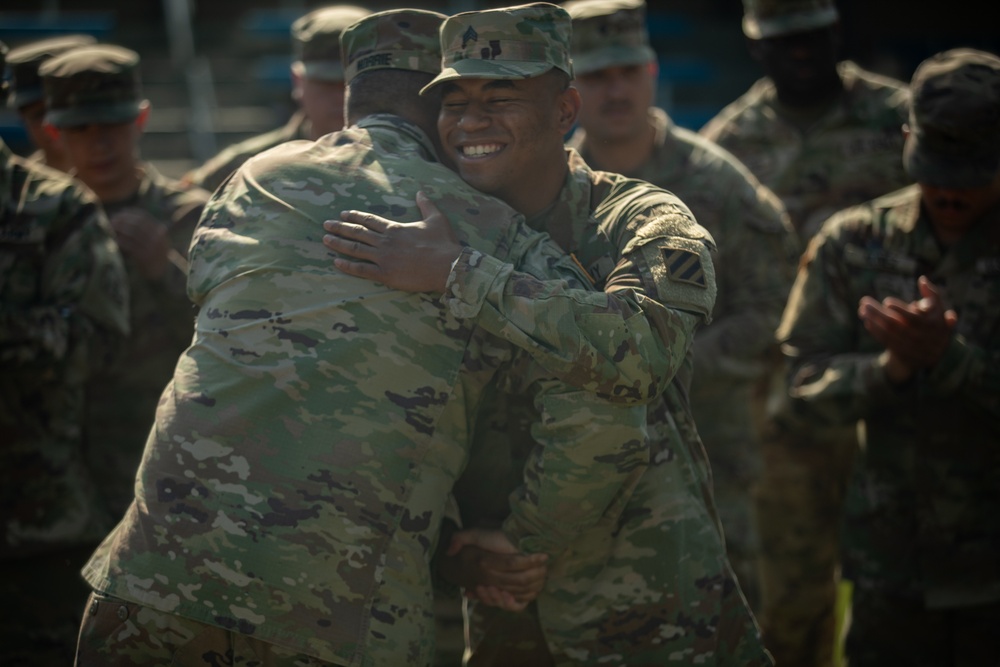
[
  {"x": 621, "y": 131},
  {"x": 28, "y": 97},
  {"x": 96, "y": 108},
  {"x": 822, "y": 135},
  {"x": 895, "y": 321},
  {"x": 63, "y": 316},
  {"x": 317, "y": 88}
]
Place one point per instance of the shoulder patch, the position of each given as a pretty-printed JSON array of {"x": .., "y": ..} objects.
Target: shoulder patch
[{"x": 684, "y": 266}]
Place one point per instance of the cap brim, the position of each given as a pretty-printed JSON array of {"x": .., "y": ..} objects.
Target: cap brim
[
  {"x": 472, "y": 68},
  {"x": 122, "y": 112},
  {"x": 948, "y": 171},
  {"x": 613, "y": 56},
  {"x": 789, "y": 24}
]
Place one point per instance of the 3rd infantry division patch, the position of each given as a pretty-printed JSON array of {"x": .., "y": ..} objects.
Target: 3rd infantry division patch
[{"x": 684, "y": 266}]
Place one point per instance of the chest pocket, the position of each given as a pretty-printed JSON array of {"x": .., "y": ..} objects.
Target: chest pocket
[
  {"x": 22, "y": 253},
  {"x": 890, "y": 274}
]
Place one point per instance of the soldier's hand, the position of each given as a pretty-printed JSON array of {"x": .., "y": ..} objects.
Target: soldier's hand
[
  {"x": 915, "y": 334},
  {"x": 409, "y": 256},
  {"x": 492, "y": 570},
  {"x": 145, "y": 240}
]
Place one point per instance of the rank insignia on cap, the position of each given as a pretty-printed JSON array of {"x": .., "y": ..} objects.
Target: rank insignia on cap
[
  {"x": 470, "y": 35},
  {"x": 684, "y": 266}
]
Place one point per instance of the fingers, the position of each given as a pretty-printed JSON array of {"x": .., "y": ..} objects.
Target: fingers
[
  {"x": 358, "y": 269},
  {"x": 427, "y": 207},
  {"x": 367, "y": 220},
  {"x": 351, "y": 248}
]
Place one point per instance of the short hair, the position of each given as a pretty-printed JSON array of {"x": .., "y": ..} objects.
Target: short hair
[{"x": 392, "y": 91}]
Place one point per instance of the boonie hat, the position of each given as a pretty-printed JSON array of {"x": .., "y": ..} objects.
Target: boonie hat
[
  {"x": 404, "y": 39},
  {"x": 92, "y": 84},
  {"x": 508, "y": 43},
  {"x": 954, "y": 138},
  {"x": 24, "y": 61},
  {"x": 773, "y": 18},
  {"x": 316, "y": 41},
  {"x": 608, "y": 33}
]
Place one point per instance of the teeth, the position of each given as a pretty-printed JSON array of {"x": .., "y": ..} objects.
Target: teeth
[{"x": 484, "y": 149}]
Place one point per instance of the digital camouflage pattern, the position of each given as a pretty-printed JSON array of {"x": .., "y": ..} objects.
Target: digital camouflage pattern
[
  {"x": 296, "y": 498},
  {"x": 122, "y": 401},
  {"x": 316, "y": 41},
  {"x": 24, "y": 62},
  {"x": 93, "y": 84},
  {"x": 763, "y": 19},
  {"x": 921, "y": 506},
  {"x": 757, "y": 257},
  {"x": 849, "y": 155},
  {"x": 216, "y": 169},
  {"x": 507, "y": 43},
  {"x": 608, "y": 32},
  {"x": 652, "y": 583},
  {"x": 63, "y": 316},
  {"x": 954, "y": 139}
]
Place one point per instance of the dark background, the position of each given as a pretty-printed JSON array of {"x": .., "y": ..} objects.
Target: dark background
[{"x": 232, "y": 80}]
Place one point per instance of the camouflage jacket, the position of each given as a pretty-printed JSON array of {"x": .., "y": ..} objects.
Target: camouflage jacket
[
  {"x": 122, "y": 402},
  {"x": 63, "y": 315},
  {"x": 613, "y": 592},
  {"x": 922, "y": 507},
  {"x": 851, "y": 154},
  {"x": 211, "y": 174},
  {"x": 755, "y": 268},
  {"x": 295, "y": 480}
]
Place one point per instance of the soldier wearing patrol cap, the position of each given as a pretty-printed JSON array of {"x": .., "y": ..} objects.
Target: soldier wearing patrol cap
[
  {"x": 303, "y": 454},
  {"x": 28, "y": 97},
  {"x": 620, "y": 130},
  {"x": 317, "y": 88},
  {"x": 95, "y": 106},
  {"x": 822, "y": 134},
  {"x": 64, "y": 315},
  {"x": 893, "y": 321},
  {"x": 506, "y": 106}
]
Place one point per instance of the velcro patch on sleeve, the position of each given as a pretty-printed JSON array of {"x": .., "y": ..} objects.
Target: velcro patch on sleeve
[{"x": 684, "y": 266}]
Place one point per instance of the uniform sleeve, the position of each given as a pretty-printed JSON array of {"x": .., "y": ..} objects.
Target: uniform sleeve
[
  {"x": 756, "y": 269},
  {"x": 83, "y": 298},
  {"x": 599, "y": 342},
  {"x": 830, "y": 379},
  {"x": 624, "y": 344},
  {"x": 588, "y": 455},
  {"x": 969, "y": 370}
]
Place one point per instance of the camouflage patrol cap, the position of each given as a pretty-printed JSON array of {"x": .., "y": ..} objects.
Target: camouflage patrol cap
[
  {"x": 508, "y": 43},
  {"x": 608, "y": 33},
  {"x": 773, "y": 18},
  {"x": 92, "y": 84},
  {"x": 954, "y": 124},
  {"x": 394, "y": 39},
  {"x": 24, "y": 61},
  {"x": 316, "y": 41}
]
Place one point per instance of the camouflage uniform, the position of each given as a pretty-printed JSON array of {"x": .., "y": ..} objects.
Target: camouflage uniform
[
  {"x": 63, "y": 315},
  {"x": 100, "y": 84},
  {"x": 295, "y": 499},
  {"x": 758, "y": 252},
  {"x": 921, "y": 541},
  {"x": 848, "y": 155},
  {"x": 316, "y": 48},
  {"x": 643, "y": 586}
]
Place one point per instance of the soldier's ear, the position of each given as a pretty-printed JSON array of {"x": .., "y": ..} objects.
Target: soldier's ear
[
  {"x": 51, "y": 131},
  {"x": 143, "y": 117},
  {"x": 569, "y": 108}
]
